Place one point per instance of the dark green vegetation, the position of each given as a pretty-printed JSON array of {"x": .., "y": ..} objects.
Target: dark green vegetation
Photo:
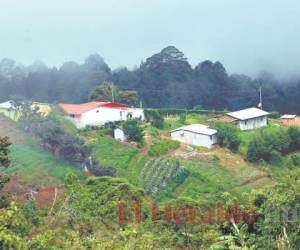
[
  {"x": 133, "y": 131},
  {"x": 228, "y": 136},
  {"x": 107, "y": 91},
  {"x": 272, "y": 145},
  {"x": 165, "y": 79}
]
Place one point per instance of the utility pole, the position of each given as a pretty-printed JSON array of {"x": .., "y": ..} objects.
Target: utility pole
[
  {"x": 260, "y": 96},
  {"x": 112, "y": 92}
]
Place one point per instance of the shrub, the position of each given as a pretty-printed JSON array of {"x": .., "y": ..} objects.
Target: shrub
[
  {"x": 163, "y": 147},
  {"x": 133, "y": 130},
  {"x": 275, "y": 157},
  {"x": 280, "y": 141},
  {"x": 155, "y": 118},
  {"x": 294, "y": 134},
  {"x": 274, "y": 115},
  {"x": 258, "y": 149},
  {"x": 295, "y": 159},
  {"x": 227, "y": 135},
  {"x": 271, "y": 146}
]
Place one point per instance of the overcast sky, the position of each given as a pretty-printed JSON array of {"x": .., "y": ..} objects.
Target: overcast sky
[{"x": 245, "y": 35}]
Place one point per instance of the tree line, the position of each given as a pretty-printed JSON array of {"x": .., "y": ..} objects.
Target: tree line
[{"x": 165, "y": 79}]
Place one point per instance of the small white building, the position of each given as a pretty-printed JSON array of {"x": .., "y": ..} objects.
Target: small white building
[
  {"x": 119, "y": 134},
  {"x": 195, "y": 134},
  {"x": 99, "y": 113},
  {"x": 8, "y": 105},
  {"x": 250, "y": 118}
]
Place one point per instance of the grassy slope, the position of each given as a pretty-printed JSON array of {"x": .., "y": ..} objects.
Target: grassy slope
[
  {"x": 230, "y": 173},
  {"x": 110, "y": 152},
  {"x": 29, "y": 161},
  {"x": 206, "y": 182},
  {"x": 36, "y": 166}
]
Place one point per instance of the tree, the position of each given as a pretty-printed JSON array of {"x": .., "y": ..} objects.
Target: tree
[
  {"x": 294, "y": 134},
  {"x": 108, "y": 91},
  {"x": 129, "y": 97},
  {"x": 155, "y": 118},
  {"x": 258, "y": 149},
  {"x": 105, "y": 92},
  {"x": 133, "y": 130},
  {"x": 227, "y": 136}
]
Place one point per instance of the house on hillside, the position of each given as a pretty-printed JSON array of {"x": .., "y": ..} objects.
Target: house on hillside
[
  {"x": 9, "y": 110},
  {"x": 290, "y": 120},
  {"x": 250, "y": 118},
  {"x": 99, "y": 113},
  {"x": 195, "y": 134},
  {"x": 44, "y": 109}
]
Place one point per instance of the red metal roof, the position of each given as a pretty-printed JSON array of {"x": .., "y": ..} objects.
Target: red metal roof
[{"x": 78, "y": 109}]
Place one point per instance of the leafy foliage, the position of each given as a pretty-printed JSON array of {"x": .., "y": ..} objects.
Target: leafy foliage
[
  {"x": 108, "y": 90},
  {"x": 271, "y": 146},
  {"x": 133, "y": 130},
  {"x": 154, "y": 118},
  {"x": 4, "y": 151},
  {"x": 228, "y": 136},
  {"x": 163, "y": 146}
]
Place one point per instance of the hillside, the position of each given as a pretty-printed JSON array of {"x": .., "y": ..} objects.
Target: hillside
[
  {"x": 29, "y": 161},
  {"x": 157, "y": 170},
  {"x": 211, "y": 172}
]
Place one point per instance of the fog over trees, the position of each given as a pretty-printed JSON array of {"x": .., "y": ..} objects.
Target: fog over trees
[{"x": 165, "y": 79}]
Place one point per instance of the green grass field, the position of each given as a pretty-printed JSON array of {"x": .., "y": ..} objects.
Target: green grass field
[
  {"x": 112, "y": 153},
  {"x": 36, "y": 166}
]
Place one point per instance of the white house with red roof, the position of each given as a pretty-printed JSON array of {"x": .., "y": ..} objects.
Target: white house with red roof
[{"x": 99, "y": 113}]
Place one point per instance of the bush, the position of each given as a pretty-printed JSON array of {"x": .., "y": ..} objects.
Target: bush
[
  {"x": 155, "y": 118},
  {"x": 271, "y": 146},
  {"x": 133, "y": 130},
  {"x": 275, "y": 157},
  {"x": 295, "y": 159},
  {"x": 162, "y": 147},
  {"x": 227, "y": 136},
  {"x": 274, "y": 115},
  {"x": 294, "y": 134},
  {"x": 258, "y": 150}
]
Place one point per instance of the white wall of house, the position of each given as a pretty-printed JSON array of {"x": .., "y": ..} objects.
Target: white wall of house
[
  {"x": 193, "y": 138},
  {"x": 119, "y": 134},
  {"x": 257, "y": 122},
  {"x": 102, "y": 115}
]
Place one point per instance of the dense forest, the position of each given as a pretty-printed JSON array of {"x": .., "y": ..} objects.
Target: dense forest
[{"x": 165, "y": 79}]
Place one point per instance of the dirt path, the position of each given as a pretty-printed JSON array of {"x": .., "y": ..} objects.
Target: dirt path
[{"x": 147, "y": 143}]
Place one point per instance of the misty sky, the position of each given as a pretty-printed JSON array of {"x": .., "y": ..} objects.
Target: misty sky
[{"x": 245, "y": 35}]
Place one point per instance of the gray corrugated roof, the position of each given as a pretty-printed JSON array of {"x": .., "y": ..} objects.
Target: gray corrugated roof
[
  {"x": 249, "y": 113},
  {"x": 197, "y": 128}
]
